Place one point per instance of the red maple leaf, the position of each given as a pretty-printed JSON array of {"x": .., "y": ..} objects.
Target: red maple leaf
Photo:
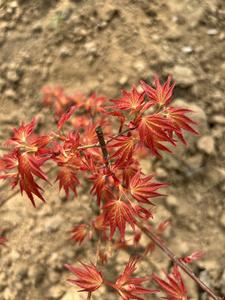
[
  {"x": 196, "y": 255},
  {"x": 157, "y": 145},
  {"x": 93, "y": 104},
  {"x": 163, "y": 226},
  {"x": 162, "y": 95},
  {"x": 56, "y": 98},
  {"x": 128, "y": 168},
  {"x": 98, "y": 185},
  {"x": 67, "y": 179},
  {"x": 89, "y": 279},
  {"x": 103, "y": 257},
  {"x": 118, "y": 213},
  {"x": 177, "y": 118},
  {"x": 154, "y": 126},
  {"x": 28, "y": 165},
  {"x": 127, "y": 287},
  {"x": 141, "y": 189},
  {"x": 140, "y": 211},
  {"x": 79, "y": 233},
  {"x": 10, "y": 161},
  {"x": 133, "y": 100},
  {"x": 149, "y": 248},
  {"x": 175, "y": 289},
  {"x": 99, "y": 178},
  {"x": 21, "y": 134},
  {"x": 39, "y": 141},
  {"x": 126, "y": 148}
]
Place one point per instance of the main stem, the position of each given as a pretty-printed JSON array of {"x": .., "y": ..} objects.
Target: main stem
[
  {"x": 102, "y": 144},
  {"x": 178, "y": 262}
]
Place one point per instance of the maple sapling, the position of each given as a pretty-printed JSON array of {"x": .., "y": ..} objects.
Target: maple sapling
[{"x": 111, "y": 158}]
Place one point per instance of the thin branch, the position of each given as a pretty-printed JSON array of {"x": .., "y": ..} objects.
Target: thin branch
[
  {"x": 84, "y": 147},
  {"x": 177, "y": 261}
]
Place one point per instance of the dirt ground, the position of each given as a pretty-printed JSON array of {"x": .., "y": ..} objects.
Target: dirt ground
[{"x": 106, "y": 46}]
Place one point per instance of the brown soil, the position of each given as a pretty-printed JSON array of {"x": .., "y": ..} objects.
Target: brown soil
[{"x": 106, "y": 46}]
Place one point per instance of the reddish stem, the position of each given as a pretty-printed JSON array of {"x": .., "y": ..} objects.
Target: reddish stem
[{"x": 177, "y": 261}]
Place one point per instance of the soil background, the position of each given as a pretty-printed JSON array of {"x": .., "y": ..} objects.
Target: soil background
[{"x": 106, "y": 46}]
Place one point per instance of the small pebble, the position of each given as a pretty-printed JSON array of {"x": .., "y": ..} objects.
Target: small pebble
[
  {"x": 187, "y": 49},
  {"x": 206, "y": 144},
  {"x": 123, "y": 80},
  {"x": 218, "y": 119},
  {"x": 161, "y": 173},
  {"x": 10, "y": 94},
  {"x": 57, "y": 291},
  {"x": 183, "y": 75},
  {"x": 12, "y": 76},
  {"x": 212, "y": 31},
  {"x": 36, "y": 273},
  {"x": 64, "y": 52},
  {"x": 53, "y": 223}
]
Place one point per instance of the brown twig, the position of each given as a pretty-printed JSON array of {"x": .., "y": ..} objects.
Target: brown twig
[
  {"x": 177, "y": 261},
  {"x": 102, "y": 144}
]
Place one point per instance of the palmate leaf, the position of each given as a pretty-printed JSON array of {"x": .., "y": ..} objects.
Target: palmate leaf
[
  {"x": 133, "y": 101},
  {"x": 175, "y": 289},
  {"x": 126, "y": 148},
  {"x": 28, "y": 165},
  {"x": 90, "y": 279},
  {"x": 141, "y": 189},
  {"x": 21, "y": 134},
  {"x": 67, "y": 179},
  {"x": 79, "y": 233},
  {"x": 162, "y": 95},
  {"x": 189, "y": 259},
  {"x": 163, "y": 226},
  {"x": 154, "y": 126},
  {"x": 99, "y": 182},
  {"x": 129, "y": 169},
  {"x": 159, "y": 146},
  {"x": 10, "y": 161},
  {"x": 177, "y": 118},
  {"x": 93, "y": 104},
  {"x": 127, "y": 287},
  {"x": 99, "y": 178},
  {"x": 117, "y": 212},
  {"x": 141, "y": 212},
  {"x": 99, "y": 187}
]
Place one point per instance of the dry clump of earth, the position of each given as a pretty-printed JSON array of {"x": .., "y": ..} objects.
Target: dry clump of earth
[{"x": 106, "y": 46}]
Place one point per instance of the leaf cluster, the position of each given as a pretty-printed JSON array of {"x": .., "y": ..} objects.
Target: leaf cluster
[{"x": 148, "y": 124}]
